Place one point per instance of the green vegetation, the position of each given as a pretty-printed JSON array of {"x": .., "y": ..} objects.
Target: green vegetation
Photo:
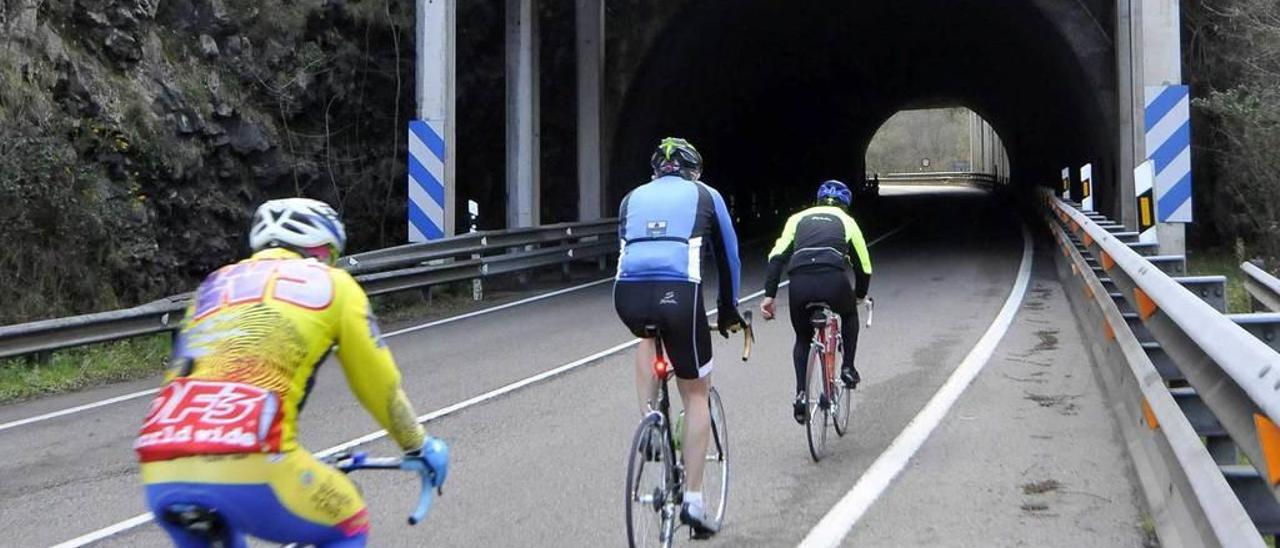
[
  {"x": 1214, "y": 262},
  {"x": 1148, "y": 528},
  {"x": 1232, "y": 50},
  {"x": 941, "y": 135},
  {"x": 409, "y": 305},
  {"x": 71, "y": 369}
]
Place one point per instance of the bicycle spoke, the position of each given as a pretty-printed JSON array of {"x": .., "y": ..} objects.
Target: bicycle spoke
[
  {"x": 715, "y": 474},
  {"x": 648, "y": 489},
  {"x": 816, "y": 425}
]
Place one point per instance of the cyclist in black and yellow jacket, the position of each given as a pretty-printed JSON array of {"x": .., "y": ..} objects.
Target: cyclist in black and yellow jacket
[{"x": 818, "y": 248}]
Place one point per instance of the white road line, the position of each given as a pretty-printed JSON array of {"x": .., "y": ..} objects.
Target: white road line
[
  {"x": 833, "y": 527},
  {"x": 436, "y": 323},
  {"x": 451, "y": 319},
  {"x": 140, "y": 519},
  {"x": 492, "y": 309},
  {"x": 77, "y": 409}
]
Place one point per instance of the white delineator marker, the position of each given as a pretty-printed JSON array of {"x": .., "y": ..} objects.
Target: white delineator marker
[
  {"x": 1086, "y": 187},
  {"x": 1144, "y": 182}
]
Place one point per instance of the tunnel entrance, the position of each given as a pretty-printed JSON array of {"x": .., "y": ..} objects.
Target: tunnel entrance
[
  {"x": 779, "y": 96},
  {"x": 946, "y": 140}
]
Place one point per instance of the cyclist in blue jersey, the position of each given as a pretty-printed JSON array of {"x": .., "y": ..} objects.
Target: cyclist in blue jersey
[{"x": 664, "y": 225}]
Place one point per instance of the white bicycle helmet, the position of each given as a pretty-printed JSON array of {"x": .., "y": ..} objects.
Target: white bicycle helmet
[{"x": 301, "y": 224}]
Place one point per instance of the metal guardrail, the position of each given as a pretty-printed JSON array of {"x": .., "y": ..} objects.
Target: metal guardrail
[
  {"x": 1233, "y": 399},
  {"x": 458, "y": 258},
  {"x": 985, "y": 180},
  {"x": 1263, "y": 287}
]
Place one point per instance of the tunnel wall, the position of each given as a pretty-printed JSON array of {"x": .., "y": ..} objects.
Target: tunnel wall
[{"x": 778, "y": 96}]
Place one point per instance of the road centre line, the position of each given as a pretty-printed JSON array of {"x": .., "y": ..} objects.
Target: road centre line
[
  {"x": 141, "y": 519},
  {"x": 837, "y": 523},
  {"x": 411, "y": 329}
]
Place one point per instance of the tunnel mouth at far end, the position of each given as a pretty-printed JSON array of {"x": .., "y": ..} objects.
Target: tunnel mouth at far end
[{"x": 778, "y": 97}]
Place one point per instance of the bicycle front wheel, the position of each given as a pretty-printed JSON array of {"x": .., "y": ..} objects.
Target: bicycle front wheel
[
  {"x": 715, "y": 475},
  {"x": 819, "y": 407},
  {"x": 649, "y": 503}
]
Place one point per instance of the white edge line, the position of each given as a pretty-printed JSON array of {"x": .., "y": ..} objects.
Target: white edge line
[
  {"x": 77, "y": 409},
  {"x": 492, "y": 309},
  {"x": 833, "y": 527},
  {"x": 140, "y": 519},
  {"x": 442, "y": 321}
]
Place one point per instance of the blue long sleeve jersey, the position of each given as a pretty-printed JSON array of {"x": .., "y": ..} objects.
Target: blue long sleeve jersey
[{"x": 663, "y": 225}]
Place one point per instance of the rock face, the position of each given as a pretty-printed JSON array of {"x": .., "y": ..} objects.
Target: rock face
[{"x": 136, "y": 135}]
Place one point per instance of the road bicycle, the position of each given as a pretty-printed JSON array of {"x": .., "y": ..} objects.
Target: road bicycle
[
  {"x": 829, "y": 401},
  {"x": 208, "y": 524},
  {"x": 655, "y": 473}
]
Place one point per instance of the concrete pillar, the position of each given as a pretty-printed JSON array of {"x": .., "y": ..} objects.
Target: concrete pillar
[
  {"x": 590, "y": 49},
  {"x": 1162, "y": 65},
  {"x": 1129, "y": 108},
  {"x": 435, "y": 84},
  {"x": 523, "y": 185}
]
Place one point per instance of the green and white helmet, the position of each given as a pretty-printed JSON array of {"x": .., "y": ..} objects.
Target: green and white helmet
[{"x": 675, "y": 155}]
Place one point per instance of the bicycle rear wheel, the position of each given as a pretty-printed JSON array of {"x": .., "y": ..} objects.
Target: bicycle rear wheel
[
  {"x": 818, "y": 408},
  {"x": 843, "y": 400},
  {"x": 715, "y": 475},
  {"x": 650, "y": 517}
]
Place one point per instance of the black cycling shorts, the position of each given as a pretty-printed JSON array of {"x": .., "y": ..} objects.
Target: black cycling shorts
[{"x": 676, "y": 308}]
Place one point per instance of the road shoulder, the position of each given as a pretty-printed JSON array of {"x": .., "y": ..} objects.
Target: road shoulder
[{"x": 1029, "y": 456}]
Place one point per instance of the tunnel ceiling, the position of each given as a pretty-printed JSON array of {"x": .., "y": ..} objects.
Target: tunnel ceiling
[{"x": 782, "y": 93}]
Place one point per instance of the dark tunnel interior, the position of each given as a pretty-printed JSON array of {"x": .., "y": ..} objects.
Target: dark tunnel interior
[{"x": 780, "y": 95}]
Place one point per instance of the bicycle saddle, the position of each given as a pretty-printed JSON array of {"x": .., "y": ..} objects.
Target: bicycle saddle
[
  {"x": 205, "y": 523},
  {"x": 817, "y": 313}
]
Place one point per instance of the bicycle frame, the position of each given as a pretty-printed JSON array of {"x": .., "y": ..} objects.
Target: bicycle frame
[
  {"x": 663, "y": 371},
  {"x": 826, "y": 338}
]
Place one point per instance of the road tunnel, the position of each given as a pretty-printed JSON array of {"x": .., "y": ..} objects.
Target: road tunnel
[{"x": 779, "y": 95}]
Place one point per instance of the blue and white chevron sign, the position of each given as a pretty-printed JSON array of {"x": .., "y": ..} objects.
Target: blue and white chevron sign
[
  {"x": 1168, "y": 116},
  {"x": 426, "y": 180}
]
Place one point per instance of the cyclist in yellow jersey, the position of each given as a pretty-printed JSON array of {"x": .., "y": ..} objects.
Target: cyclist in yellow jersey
[{"x": 222, "y": 433}]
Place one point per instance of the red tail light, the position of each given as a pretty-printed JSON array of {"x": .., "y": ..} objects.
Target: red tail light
[{"x": 661, "y": 368}]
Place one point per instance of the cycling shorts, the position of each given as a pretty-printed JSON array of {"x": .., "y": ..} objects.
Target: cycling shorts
[
  {"x": 279, "y": 497},
  {"x": 678, "y": 311}
]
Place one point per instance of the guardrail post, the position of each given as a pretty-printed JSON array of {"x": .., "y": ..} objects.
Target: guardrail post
[{"x": 477, "y": 286}]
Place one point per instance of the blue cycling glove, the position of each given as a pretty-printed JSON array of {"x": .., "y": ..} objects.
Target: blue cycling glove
[{"x": 435, "y": 455}]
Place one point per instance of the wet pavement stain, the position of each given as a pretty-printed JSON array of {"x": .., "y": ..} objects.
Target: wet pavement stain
[
  {"x": 1039, "y": 487},
  {"x": 1061, "y": 402},
  {"x": 1048, "y": 340}
]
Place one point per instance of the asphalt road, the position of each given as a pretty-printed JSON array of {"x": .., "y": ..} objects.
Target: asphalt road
[{"x": 544, "y": 464}]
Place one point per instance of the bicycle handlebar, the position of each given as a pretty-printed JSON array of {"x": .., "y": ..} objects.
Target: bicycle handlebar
[
  {"x": 748, "y": 335},
  {"x": 350, "y": 462}
]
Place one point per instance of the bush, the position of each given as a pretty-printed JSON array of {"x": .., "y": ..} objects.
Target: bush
[{"x": 1233, "y": 50}]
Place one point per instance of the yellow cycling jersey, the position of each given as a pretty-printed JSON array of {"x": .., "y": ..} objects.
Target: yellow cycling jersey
[{"x": 246, "y": 357}]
